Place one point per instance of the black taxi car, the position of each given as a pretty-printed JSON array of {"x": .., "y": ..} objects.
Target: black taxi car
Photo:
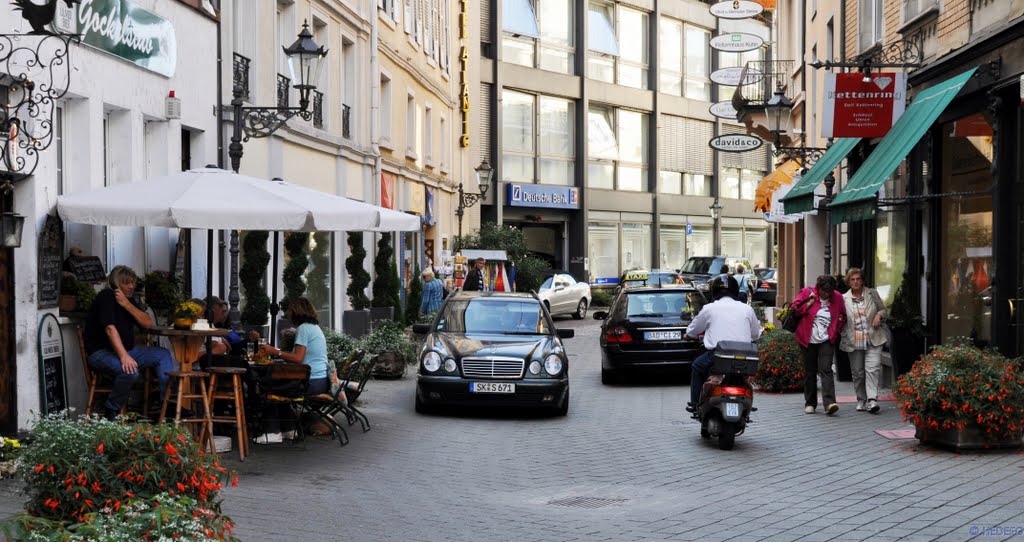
[
  {"x": 645, "y": 327},
  {"x": 493, "y": 348}
]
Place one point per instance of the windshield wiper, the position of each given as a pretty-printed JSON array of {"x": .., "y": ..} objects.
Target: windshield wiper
[{"x": 506, "y": 332}]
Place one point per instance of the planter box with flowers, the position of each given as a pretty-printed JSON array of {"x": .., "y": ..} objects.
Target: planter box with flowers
[
  {"x": 963, "y": 397},
  {"x": 8, "y": 453},
  {"x": 393, "y": 348},
  {"x": 781, "y": 368},
  {"x": 186, "y": 314}
]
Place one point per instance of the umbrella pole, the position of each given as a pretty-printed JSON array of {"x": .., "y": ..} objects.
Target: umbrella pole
[
  {"x": 274, "y": 307},
  {"x": 209, "y": 273}
]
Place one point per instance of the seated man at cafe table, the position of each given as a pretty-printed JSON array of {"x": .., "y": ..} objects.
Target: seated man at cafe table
[
  {"x": 228, "y": 351},
  {"x": 110, "y": 340}
]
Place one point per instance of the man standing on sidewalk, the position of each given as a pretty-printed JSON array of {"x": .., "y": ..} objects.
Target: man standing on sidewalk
[{"x": 475, "y": 278}]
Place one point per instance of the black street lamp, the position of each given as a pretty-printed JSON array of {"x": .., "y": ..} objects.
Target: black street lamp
[
  {"x": 305, "y": 60},
  {"x": 484, "y": 172},
  {"x": 716, "y": 236}
]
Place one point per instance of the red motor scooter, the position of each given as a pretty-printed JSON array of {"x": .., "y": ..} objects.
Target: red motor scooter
[{"x": 727, "y": 398}]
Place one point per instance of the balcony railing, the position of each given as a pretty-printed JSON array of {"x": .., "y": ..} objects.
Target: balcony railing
[
  {"x": 758, "y": 82},
  {"x": 240, "y": 74},
  {"x": 283, "y": 89},
  {"x": 318, "y": 109},
  {"x": 346, "y": 121}
]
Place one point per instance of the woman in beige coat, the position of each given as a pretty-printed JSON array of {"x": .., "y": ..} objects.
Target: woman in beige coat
[{"x": 863, "y": 337}]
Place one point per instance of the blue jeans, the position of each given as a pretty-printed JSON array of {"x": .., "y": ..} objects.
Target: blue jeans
[
  {"x": 106, "y": 361},
  {"x": 699, "y": 373}
]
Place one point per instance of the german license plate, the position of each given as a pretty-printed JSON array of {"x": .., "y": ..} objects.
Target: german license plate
[
  {"x": 663, "y": 335},
  {"x": 732, "y": 409},
  {"x": 492, "y": 387}
]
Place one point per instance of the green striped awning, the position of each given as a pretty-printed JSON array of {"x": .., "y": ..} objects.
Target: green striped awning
[
  {"x": 800, "y": 198},
  {"x": 857, "y": 200}
]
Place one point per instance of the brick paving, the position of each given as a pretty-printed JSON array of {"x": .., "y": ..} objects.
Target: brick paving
[{"x": 632, "y": 449}]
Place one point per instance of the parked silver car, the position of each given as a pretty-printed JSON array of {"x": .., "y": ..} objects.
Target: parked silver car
[{"x": 562, "y": 294}]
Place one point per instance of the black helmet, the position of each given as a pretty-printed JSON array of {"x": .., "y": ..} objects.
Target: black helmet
[{"x": 724, "y": 285}]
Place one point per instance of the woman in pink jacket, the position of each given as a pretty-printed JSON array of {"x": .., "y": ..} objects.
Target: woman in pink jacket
[{"x": 821, "y": 315}]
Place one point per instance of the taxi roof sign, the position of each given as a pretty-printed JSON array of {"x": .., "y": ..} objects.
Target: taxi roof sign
[{"x": 637, "y": 276}]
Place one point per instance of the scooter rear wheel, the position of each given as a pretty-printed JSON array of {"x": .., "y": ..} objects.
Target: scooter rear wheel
[{"x": 727, "y": 436}]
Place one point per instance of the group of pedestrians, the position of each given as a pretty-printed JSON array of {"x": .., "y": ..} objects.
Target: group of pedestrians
[{"x": 851, "y": 321}]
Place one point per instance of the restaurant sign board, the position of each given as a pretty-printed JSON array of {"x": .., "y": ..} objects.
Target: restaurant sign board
[
  {"x": 736, "y": 42},
  {"x": 732, "y": 76},
  {"x": 123, "y": 29},
  {"x": 735, "y": 143},
  {"x": 858, "y": 108},
  {"x": 736, "y": 9}
]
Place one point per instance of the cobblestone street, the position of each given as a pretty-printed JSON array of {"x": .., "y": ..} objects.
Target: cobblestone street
[{"x": 626, "y": 464}]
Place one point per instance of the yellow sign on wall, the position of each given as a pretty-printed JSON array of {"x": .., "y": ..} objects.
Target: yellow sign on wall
[{"x": 463, "y": 71}]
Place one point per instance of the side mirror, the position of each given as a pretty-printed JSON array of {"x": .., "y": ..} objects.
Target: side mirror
[
  {"x": 600, "y": 315},
  {"x": 566, "y": 333},
  {"x": 559, "y": 288},
  {"x": 421, "y": 329}
]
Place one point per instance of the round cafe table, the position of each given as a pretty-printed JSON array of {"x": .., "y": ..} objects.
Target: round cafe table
[{"x": 186, "y": 342}]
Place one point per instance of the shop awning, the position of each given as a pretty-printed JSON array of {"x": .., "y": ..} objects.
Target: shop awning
[
  {"x": 768, "y": 185},
  {"x": 857, "y": 200},
  {"x": 800, "y": 198}
]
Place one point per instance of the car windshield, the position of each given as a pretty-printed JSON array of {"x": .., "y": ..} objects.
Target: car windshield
[
  {"x": 493, "y": 315},
  {"x": 662, "y": 303},
  {"x": 698, "y": 265}
]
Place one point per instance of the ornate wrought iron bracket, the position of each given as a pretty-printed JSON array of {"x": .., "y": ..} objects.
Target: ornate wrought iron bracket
[
  {"x": 260, "y": 122},
  {"x": 37, "y": 70},
  {"x": 898, "y": 54},
  {"x": 808, "y": 156}
]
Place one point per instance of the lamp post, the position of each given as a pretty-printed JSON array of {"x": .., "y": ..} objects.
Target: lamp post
[
  {"x": 716, "y": 213},
  {"x": 483, "y": 178},
  {"x": 305, "y": 60}
]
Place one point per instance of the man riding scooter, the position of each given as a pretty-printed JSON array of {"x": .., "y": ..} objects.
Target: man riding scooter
[{"x": 726, "y": 319}]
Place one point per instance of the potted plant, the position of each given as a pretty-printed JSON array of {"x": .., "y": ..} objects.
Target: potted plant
[
  {"x": 185, "y": 314},
  {"x": 356, "y": 322},
  {"x": 963, "y": 397},
  {"x": 255, "y": 258},
  {"x": 386, "y": 304},
  {"x": 85, "y": 296},
  {"x": 295, "y": 244},
  {"x": 68, "y": 293},
  {"x": 413, "y": 297},
  {"x": 394, "y": 350},
  {"x": 904, "y": 321},
  {"x": 781, "y": 367},
  {"x": 9, "y": 449},
  {"x": 162, "y": 292}
]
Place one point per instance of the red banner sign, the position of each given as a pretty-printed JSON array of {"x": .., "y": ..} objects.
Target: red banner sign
[
  {"x": 387, "y": 189},
  {"x": 859, "y": 106}
]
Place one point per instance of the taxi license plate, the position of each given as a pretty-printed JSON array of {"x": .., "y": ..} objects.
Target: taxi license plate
[
  {"x": 492, "y": 387},
  {"x": 732, "y": 409},
  {"x": 663, "y": 335}
]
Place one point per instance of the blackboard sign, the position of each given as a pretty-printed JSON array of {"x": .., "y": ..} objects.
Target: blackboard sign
[
  {"x": 50, "y": 250},
  {"x": 53, "y": 389},
  {"x": 87, "y": 268}
]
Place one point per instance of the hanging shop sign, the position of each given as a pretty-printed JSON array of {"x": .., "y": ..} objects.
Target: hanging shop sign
[
  {"x": 735, "y": 143},
  {"x": 855, "y": 107},
  {"x": 736, "y": 42},
  {"x": 734, "y": 76},
  {"x": 736, "y": 9},
  {"x": 464, "y": 70},
  {"x": 724, "y": 110},
  {"x": 123, "y": 29},
  {"x": 539, "y": 195}
]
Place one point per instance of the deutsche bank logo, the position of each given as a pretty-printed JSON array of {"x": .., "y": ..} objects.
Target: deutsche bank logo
[
  {"x": 517, "y": 193},
  {"x": 572, "y": 196}
]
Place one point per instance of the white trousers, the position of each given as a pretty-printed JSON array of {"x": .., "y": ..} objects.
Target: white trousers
[{"x": 866, "y": 366}]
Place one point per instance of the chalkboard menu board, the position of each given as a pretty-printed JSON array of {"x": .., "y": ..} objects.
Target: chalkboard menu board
[
  {"x": 53, "y": 387},
  {"x": 87, "y": 268},
  {"x": 50, "y": 250}
]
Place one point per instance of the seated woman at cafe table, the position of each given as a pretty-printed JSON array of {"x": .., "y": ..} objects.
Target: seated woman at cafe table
[
  {"x": 310, "y": 349},
  {"x": 109, "y": 338}
]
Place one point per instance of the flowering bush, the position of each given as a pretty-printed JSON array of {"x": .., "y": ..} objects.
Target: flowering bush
[
  {"x": 74, "y": 470},
  {"x": 188, "y": 309},
  {"x": 957, "y": 384},
  {"x": 8, "y": 452},
  {"x": 781, "y": 368}
]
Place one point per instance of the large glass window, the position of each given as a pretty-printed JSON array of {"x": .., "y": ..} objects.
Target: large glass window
[
  {"x": 673, "y": 247},
  {"x": 740, "y": 183},
  {"x": 670, "y": 56},
  {"x": 755, "y": 243},
  {"x": 636, "y": 245},
  {"x": 683, "y": 60},
  {"x": 735, "y": 60},
  {"x": 537, "y": 148},
  {"x": 700, "y": 242},
  {"x": 634, "y": 51},
  {"x": 603, "y": 250},
  {"x": 871, "y": 16},
  {"x": 670, "y": 182},
  {"x": 618, "y": 148},
  {"x": 696, "y": 185},
  {"x": 541, "y": 38},
  {"x": 613, "y": 60},
  {"x": 732, "y": 241}
]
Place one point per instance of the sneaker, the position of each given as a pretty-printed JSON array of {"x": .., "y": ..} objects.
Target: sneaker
[
  {"x": 269, "y": 438},
  {"x": 860, "y": 406},
  {"x": 690, "y": 408},
  {"x": 873, "y": 406},
  {"x": 832, "y": 409},
  {"x": 808, "y": 410}
]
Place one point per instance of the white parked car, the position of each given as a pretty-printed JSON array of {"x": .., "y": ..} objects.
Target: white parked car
[{"x": 562, "y": 294}]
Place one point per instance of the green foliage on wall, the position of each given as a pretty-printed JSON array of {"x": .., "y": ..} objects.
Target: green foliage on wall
[
  {"x": 359, "y": 279},
  {"x": 255, "y": 259}
]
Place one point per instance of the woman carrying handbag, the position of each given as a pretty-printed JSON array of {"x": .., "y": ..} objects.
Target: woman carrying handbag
[
  {"x": 821, "y": 318},
  {"x": 863, "y": 338}
]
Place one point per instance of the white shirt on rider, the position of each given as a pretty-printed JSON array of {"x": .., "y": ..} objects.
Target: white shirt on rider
[{"x": 725, "y": 320}]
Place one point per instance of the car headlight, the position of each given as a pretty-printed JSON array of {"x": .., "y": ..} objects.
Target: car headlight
[
  {"x": 449, "y": 365},
  {"x": 535, "y": 367},
  {"x": 553, "y": 364},
  {"x": 432, "y": 361}
]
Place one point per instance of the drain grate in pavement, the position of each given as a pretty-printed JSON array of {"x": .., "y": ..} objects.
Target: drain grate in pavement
[
  {"x": 896, "y": 434},
  {"x": 588, "y": 502}
]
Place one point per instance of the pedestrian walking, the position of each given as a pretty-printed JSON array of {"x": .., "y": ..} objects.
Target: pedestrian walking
[
  {"x": 863, "y": 337},
  {"x": 475, "y": 278},
  {"x": 433, "y": 293},
  {"x": 821, "y": 317}
]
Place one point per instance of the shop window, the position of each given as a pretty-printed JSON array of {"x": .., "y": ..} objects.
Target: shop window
[
  {"x": 636, "y": 246},
  {"x": 673, "y": 247},
  {"x": 603, "y": 250}
]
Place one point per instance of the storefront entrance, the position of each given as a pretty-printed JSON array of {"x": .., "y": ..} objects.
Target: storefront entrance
[
  {"x": 547, "y": 242},
  {"x": 8, "y": 367}
]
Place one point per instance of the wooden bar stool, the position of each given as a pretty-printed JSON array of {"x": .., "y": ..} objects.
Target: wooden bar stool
[
  {"x": 183, "y": 382},
  {"x": 234, "y": 395}
]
